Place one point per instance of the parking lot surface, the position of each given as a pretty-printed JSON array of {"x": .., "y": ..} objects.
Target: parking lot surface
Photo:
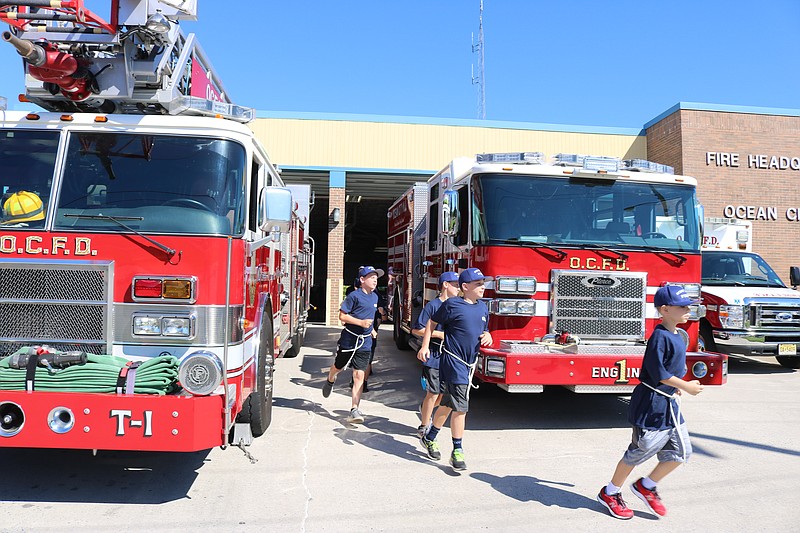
[{"x": 535, "y": 462}]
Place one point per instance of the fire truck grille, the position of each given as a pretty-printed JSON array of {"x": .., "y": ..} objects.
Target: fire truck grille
[
  {"x": 65, "y": 305},
  {"x": 600, "y": 305}
]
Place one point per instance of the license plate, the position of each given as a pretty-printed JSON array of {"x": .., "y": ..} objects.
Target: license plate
[{"x": 787, "y": 349}]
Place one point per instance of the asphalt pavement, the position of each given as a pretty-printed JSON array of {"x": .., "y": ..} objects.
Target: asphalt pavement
[{"x": 535, "y": 463}]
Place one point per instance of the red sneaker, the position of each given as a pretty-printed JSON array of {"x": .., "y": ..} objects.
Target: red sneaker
[
  {"x": 615, "y": 505},
  {"x": 649, "y": 497}
]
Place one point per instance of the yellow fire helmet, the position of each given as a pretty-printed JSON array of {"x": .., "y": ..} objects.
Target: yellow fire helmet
[{"x": 23, "y": 206}]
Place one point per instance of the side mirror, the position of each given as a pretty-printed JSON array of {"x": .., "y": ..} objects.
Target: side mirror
[
  {"x": 275, "y": 209},
  {"x": 794, "y": 276},
  {"x": 451, "y": 218}
]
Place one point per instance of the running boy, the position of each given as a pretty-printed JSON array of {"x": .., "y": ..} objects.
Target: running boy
[
  {"x": 356, "y": 313},
  {"x": 464, "y": 322},
  {"x": 654, "y": 411},
  {"x": 430, "y": 368}
]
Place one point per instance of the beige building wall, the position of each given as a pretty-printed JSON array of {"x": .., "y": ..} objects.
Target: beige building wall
[{"x": 353, "y": 144}]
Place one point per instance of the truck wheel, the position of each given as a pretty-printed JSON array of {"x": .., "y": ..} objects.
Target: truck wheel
[
  {"x": 400, "y": 336},
  {"x": 257, "y": 408},
  {"x": 787, "y": 361},
  {"x": 705, "y": 341}
]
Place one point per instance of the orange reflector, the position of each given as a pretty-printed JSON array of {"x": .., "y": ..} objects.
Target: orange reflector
[
  {"x": 101, "y": 118},
  {"x": 67, "y": 118},
  {"x": 177, "y": 288},
  {"x": 22, "y": 98},
  {"x": 147, "y": 288},
  {"x": 32, "y": 116}
]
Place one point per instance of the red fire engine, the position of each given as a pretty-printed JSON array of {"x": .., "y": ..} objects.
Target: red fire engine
[
  {"x": 142, "y": 219},
  {"x": 577, "y": 248}
]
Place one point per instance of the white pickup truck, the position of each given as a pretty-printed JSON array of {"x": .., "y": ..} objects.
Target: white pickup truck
[{"x": 750, "y": 313}]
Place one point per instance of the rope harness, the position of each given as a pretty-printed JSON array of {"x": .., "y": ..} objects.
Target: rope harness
[
  {"x": 360, "y": 340},
  {"x": 470, "y": 366},
  {"x": 674, "y": 413}
]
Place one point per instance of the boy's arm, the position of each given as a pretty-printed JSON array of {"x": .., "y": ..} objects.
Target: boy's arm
[
  {"x": 425, "y": 352},
  {"x": 693, "y": 387}
]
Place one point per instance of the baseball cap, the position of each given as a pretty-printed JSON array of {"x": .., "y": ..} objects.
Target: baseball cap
[
  {"x": 367, "y": 270},
  {"x": 447, "y": 276},
  {"x": 672, "y": 295},
  {"x": 471, "y": 274}
]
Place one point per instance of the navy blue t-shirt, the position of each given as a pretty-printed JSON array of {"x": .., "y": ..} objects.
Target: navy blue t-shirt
[
  {"x": 664, "y": 357},
  {"x": 462, "y": 323},
  {"x": 422, "y": 321},
  {"x": 358, "y": 304}
]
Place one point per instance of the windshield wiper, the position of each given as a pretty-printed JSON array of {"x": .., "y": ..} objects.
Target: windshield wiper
[
  {"x": 531, "y": 244},
  {"x": 166, "y": 249},
  {"x": 595, "y": 246},
  {"x": 658, "y": 249}
]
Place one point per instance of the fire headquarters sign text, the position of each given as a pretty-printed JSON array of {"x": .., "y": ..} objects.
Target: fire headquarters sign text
[{"x": 36, "y": 245}]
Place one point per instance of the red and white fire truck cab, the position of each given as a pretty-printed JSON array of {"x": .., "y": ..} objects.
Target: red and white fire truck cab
[
  {"x": 577, "y": 248},
  {"x": 141, "y": 219}
]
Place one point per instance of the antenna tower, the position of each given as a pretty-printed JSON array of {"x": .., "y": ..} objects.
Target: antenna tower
[{"x": 480, "y": 80}]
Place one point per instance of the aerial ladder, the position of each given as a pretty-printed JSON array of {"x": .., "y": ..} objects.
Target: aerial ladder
[{"x": 137, "y": 62}]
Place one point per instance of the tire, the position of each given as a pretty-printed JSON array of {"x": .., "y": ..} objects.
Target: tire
[
  {"x": 705, "y": 340},
  {"x": 788, "y": 361},
  {"x": 400, "y": 336},
  {"x": 257, "y": 408}
]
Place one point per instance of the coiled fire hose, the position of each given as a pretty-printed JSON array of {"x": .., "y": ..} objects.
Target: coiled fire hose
[{"x": 66, "y": 372}]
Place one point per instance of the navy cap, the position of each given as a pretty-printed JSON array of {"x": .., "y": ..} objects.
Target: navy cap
[
  {"x": 672, "y": 295},
  {"x": 365, "y": 271},
  {"x": 447, "y": 276},
  {"x": 471, "y": 274}
]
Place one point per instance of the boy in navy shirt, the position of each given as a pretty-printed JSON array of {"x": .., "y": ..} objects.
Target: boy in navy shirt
[
  {"x": 654, "y": 412},
  {"x": 430, "y": 368},
  {"x": 355, "y": 343},
  {"x": 464, "y": 322}
]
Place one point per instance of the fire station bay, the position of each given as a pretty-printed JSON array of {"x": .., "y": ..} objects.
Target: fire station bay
[{"x": 746, "y": 161}]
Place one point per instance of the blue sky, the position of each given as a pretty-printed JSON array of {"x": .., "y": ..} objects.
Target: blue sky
[{"x": 617, "y": 63}]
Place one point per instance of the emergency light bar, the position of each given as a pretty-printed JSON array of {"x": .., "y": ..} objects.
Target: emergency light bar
[
  {"x": 588, "y": 162},
  {"x": 643, "y": 165},
  {"x": 203, "y": 106},
  {"x": 3, "y": 103},
  {"x": 525, "y": 158}
]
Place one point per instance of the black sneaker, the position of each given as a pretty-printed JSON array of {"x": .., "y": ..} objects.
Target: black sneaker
[
  {"x": 431, "y": 447},
  {"x": 457, "y": 459},
  {"x": 327, "y": 387}
]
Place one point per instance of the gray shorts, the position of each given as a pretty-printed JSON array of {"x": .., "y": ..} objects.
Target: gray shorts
[
  {"x": 671, "y": 445},
  {"x": 433, "y": 383},
  {"x": 455, "y": 397}
]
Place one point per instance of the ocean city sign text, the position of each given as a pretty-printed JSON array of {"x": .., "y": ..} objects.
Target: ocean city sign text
[{"x": 759, "y": 162}]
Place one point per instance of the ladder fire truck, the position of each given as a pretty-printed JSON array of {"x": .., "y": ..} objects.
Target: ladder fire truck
[
  {"x": 577, "y": 249},
  {"x": 142, "y": 218}
]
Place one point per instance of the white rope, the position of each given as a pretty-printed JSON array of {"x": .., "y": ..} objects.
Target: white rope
[
  {"x": 676, "y": 416},
  {"x": 359, "y": 338},
  {"x": 471, "y": 367}
]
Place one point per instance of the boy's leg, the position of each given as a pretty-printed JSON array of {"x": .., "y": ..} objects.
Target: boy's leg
[
  {"x": 663, "y": 469},
  {"x": 358, "y": 381},
  {"x": 458, "y": 422},
  {"x": 621, "y": 473}
]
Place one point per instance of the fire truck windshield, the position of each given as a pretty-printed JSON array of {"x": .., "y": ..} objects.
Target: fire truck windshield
[
  {"x": 564, "y": 211},
  {"x": 158, "y": 183},
  {"x": 27, "y": 161}
]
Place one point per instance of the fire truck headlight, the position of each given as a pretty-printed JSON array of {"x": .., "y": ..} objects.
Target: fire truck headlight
[
  {"x": 146, "y": 325},
  {"x": 731, "y": 316},
  {"x": 697, "y": 311},
  {"x": 699, "y": 369},
  {"x": 515, "y": 285},
  {"x": 200, "y": 373},
  {"x": 512, "y": 307},
  {"x": 495, "y": 367},
  {"x": 176, "y": 326}
]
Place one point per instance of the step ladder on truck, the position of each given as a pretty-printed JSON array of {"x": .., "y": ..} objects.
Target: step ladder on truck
[{"x": 143, "y": 227}]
